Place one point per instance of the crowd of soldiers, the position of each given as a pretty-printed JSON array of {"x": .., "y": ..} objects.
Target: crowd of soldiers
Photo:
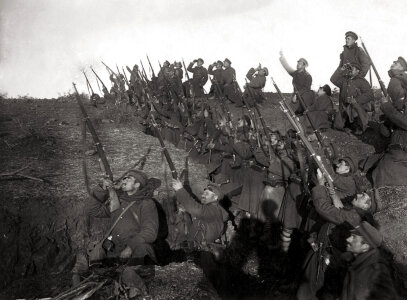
[{"x": 291, "y": 178}]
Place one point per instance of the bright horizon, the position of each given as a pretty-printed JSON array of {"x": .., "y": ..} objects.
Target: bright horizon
[{"x": 44, "y": 44}]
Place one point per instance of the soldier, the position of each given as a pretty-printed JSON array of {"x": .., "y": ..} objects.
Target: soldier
[
  {"x": 368, "y": 275},
  {"x": 207, "y": 218},
  {"x": 392, "y": 168},
  {"x": 355, "y": 98},
  {"x": 302, "y": 81},
  {"x": 135, "y": 220},
  {"x": 136, "y": 86},
  {"x": 321, "y": 113},
  {"x": 217, "y": 86},
  {"x": 229, "y": 83},
  {"x": 178, "y": 70},
  {"x": 352, "y": 53},
  {"x": 254, "y": 89},
  {"x": 199, "y": 77},
  {"x": 323, "y": 255}
]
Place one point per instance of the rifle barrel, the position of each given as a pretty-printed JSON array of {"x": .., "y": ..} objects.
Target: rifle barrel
[{"x": 95, "y": 137}]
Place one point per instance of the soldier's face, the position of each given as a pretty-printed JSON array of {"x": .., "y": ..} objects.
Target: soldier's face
[
  {"x": 362, "y": 201},
  {"x": 129, "y": 184},
  {"x": 226, "y": 64},
  {"x": 349, "y": 40},
  {"x": 320, "y": 92},
  {"x": 300, "y": 65},
  {"x": 208, "y": 197},
  {"x": 274, "y": 139},
  {"x": 342, "y": 167},
  {"x": 199, "y": 63},
  {"x": 396, "y": 65},
  {"x": 356, "y": 244}
]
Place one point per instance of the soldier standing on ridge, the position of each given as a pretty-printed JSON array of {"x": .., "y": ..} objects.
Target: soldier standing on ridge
[
  {"x": 199, "y": 77},
  {"x": 302, "y": 81}
]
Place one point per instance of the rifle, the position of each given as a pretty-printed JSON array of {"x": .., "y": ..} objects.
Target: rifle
[
  {"x": 144, "y": 71},
  {"x": 165, "y": 150},
  {"x": 88, "y": 83},
  {"x": 251, "y": 112},
  {"x": 382, "y": 86},
  {"x": 191, "y": 90},
  {"x": 152, "y": 70},
  {"x": 95, "y": 137},
  {"x": 125, "y": 77},
  {"x": 105, "y": 90},
  {"x": 292, "y": 118},
  {"x": 110, "y": 70}
]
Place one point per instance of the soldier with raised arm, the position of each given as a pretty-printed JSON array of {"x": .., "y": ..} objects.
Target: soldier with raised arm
[
  {"x": 302, "y": 82},
  {"x": 199, "y": 77}
]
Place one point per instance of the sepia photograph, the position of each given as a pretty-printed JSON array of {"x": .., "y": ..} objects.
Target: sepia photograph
[{"x": 203, "y": 149}]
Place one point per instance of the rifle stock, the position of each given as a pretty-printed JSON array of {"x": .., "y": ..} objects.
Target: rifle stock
[{"x": 95, "y": 137}]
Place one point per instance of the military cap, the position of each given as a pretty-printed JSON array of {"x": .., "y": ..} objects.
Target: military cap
[
  {"x": 304, "y": 61},
  {"x": 215, "y": 188},
  {"x": 266, "y": 71},
  {"x": 219, "y": 62},
  {"x": 139, "y": 176},
  {"x": 352, "y": 34},
  {"x": 403, "y": 62},
  {"x": 370, "y": 234},
  {"x": 327, "y": 89},
  {"x": 200, "y": 59},
  {"x": 227, "y": 60}
]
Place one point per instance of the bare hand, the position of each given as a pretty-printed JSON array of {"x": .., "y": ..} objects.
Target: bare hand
[
  {"x": 107, "y": 183},
  {"x": 384, "y": 100},
  {"x": 177, "y": 184},
  {"x": 320, "y": 177},
  {"x": 126, "y": 253},
  {"x": 337, "y": 203},
  {"x": 211, "y": 146}
]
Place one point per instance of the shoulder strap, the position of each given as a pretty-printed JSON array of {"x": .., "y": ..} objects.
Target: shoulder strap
[{"x": 117, "y": 220}]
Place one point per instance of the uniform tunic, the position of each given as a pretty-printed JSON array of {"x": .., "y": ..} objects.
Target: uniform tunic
[{"x": 138, "y": 228}]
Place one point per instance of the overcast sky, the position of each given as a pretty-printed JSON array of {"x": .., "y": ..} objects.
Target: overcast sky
[{"x": 44, "y": 44}]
